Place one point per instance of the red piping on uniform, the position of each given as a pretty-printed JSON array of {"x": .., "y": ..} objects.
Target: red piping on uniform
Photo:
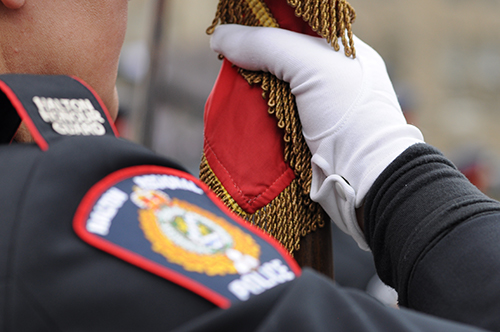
[
  {"x": 99, "y": 100},
  {"x": 137, "y": 260},
  {"x": 42, "y": 143}
]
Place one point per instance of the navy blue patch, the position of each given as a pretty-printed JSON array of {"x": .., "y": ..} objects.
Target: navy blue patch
[{"x": 169, "y": 223}]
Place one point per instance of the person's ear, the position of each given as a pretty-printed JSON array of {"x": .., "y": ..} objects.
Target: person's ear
[{"x": 13, "y": 4}]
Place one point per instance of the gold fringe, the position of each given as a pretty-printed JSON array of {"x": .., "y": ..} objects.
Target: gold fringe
[
  {"x": 292, "y": 214},
  {"x": 284, "y": 218},
  {"x": 330, "y": 19}
]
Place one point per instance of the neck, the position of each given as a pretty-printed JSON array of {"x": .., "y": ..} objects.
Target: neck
[{"x": 23, "y": 135}]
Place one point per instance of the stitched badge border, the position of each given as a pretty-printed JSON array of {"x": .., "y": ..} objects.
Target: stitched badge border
[{"x": 147, "y": 223}]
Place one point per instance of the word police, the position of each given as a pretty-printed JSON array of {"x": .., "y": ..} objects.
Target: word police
[
  {"x": 71, "y": 116},
  {"x": 267, "y": 276}
]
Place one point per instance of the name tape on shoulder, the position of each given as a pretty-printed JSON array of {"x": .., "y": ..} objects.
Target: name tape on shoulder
[{"x": 71, "y": 117}]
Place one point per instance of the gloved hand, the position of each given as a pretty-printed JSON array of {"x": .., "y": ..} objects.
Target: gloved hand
[{"x": 351, "y": 118}]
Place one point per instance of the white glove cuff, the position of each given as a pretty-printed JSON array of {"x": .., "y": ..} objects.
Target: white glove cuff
[{"x": 338, "y": 199}]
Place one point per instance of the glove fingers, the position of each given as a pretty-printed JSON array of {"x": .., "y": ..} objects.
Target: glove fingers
[{"x": 290, "y": 56}]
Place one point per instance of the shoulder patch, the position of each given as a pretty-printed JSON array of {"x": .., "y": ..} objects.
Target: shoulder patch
[{"x": 167, "y": 222}]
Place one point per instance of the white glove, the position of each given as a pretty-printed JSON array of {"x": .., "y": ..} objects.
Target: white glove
[{"x": 350, "y": 115}]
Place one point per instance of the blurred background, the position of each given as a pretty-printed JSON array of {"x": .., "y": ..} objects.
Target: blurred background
[
  {"x": 168, "y": 69},
  {"x": 442, "y": 55}
]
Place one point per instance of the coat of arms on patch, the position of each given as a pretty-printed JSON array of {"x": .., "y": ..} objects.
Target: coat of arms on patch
[{"x": 193, "y": 237}]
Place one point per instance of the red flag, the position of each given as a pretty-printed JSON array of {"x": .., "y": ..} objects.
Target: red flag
[{"x": 255, "y": 157}]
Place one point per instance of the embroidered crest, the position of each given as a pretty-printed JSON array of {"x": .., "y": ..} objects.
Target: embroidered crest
[
  {"x": 167, "y": 222},
  {"x": 194, "y": 238}
]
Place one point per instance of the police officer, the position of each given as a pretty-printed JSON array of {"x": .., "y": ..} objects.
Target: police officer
[{"x": 97, "y": 233}]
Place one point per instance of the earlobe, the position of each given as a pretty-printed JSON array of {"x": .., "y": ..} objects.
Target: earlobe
[{"x": 13, "y": 4}]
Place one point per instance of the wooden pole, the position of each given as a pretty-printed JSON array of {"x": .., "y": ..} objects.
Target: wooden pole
[{"x": 316, "y": 250}]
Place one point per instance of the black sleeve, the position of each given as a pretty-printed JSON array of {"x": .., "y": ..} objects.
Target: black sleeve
[{"x": 435, "y": 238}]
